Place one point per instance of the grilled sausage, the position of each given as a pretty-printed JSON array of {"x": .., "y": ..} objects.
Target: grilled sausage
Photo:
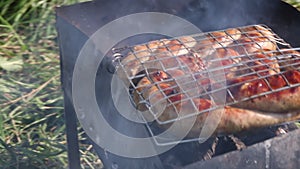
[
  {"x": 289, "y": 59},
  {"x": 278, "y": 102},
  {"x": 172, "y": 80},
  {"x": 169, "y": 103},
  {"x": 253, "y": 39}
]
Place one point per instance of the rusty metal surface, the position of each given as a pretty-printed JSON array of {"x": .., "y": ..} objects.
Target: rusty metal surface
[{"x": 282, "y": 152}]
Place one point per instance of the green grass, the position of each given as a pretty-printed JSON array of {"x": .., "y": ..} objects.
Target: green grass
[
  {"x": 295, "y": 3},
  {"x": 32, "y": 128}
]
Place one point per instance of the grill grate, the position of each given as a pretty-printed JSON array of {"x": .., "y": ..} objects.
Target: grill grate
[{"x": 210, "y": 66}]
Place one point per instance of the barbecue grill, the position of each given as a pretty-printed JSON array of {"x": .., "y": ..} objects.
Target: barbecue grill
[
  {"x": 75, "y": 28},
  {"x": 188, "y": 84}
]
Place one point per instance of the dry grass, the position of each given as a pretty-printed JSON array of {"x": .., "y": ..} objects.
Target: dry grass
[{"x": 32, "y": 128}]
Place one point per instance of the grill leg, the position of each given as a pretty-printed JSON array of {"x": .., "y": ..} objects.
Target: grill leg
[{"x": 72, "y": 136}]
